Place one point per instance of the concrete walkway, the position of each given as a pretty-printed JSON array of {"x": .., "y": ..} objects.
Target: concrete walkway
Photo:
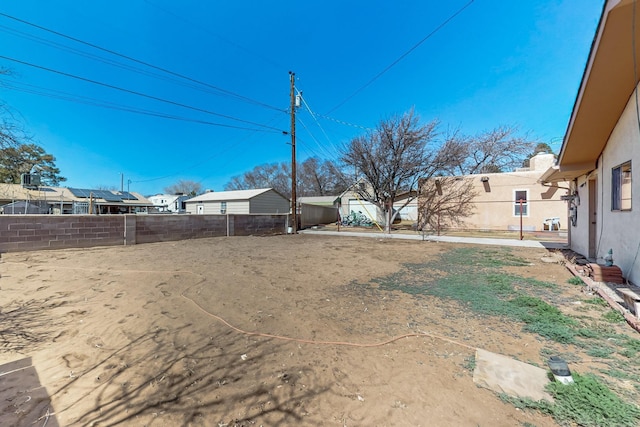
[{"x": 448, "y": 239}]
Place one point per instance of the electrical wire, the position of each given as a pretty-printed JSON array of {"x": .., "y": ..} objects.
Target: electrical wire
[
  {"x": 133, "y": 92},
  {"x": 342, "y": 122},
  {"x": 66, "y": 96},
  {"x": 146, "y": 64},
  {"x": 401, "y": 57},
  {"x": 228, "y": 146},
  {"x": 323, "y": 149},
  {"x": 306, "y": 105},
  {"x": 113, "y": 63}
]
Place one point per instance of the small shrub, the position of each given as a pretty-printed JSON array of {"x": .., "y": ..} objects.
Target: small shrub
[
  {"x": 575, "y": 280},
  {"x": 613, "y": 316},
  {"x": 596, "y": 301},
  {"x": 470, "y": 363},
  {"x": 600, "y": 351},
  {"x": 588, "y": 402}
]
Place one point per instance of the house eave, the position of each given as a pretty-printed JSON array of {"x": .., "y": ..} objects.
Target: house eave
[
  {"x": 560, "y": 173},
  {"x": 609, "y": 79}
]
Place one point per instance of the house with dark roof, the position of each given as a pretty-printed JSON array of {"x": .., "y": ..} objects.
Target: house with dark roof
[{"x": 64, "y": 200}]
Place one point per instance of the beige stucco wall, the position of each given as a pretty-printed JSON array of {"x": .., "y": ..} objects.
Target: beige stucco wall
[
  {"x": 579, "y": 234},
  {"x": 617, "y": 230},
  {"x": 494, "y": 204}
]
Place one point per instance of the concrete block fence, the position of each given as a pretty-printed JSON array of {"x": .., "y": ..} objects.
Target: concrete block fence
[{"x": 37, "y": 232}]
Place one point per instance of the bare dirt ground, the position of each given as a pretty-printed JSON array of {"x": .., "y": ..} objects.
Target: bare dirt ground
[{"x": 284, "y": 330}]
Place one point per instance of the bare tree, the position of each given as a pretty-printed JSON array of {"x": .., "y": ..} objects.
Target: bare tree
[
  {"x": 444, "y": 201},
  {"x": 320, "y": 178},
  {"x": 316, "y": 177},
  {"x": 392, "y": 159},
  {"x": 497, "y": 150},
  {"x": 270, "y": 175},
  {"x": 184, "y": 186},
  {"x": 12, "y": 133}
]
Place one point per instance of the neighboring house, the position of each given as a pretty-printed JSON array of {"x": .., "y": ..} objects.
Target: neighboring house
[
  {"x": 169, "y": 202},
  {"x": 496, "y": 203},
  {"x": 316, "y": 210},
  {"x": 328, "y": 201},
  {"x": 22, "y": 208},
  {"x": 260, "y": 201},
  {"x": 60, "y": 200},
  {"x": 408, "y": 211},
  {"x": 601, "y": 147},
  {"x": 350, "y": 201}
]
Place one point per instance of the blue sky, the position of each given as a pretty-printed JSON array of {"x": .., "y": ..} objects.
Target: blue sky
[{"x": 515, "y": 63}]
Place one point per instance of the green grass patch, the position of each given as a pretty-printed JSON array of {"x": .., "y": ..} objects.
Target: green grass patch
[
  {"x": 476, "y": 278},
  {"x": 587, "y": 402},
  {"x": 473, "y": 277},
  {"x": 600, "y": 351},
  {"x": 596, "y": 301},
  {"x": 575, "y": 280},
  {"x": 613, "y": 316},
  {"x": 483, "y": 258},
  {"x": 619, "y": 374}
]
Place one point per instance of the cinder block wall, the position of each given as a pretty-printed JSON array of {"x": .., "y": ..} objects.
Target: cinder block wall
[
  {"x": 33, "y": 232},
  {"x": 248, "y": 225},
  {"x": 37, "y": 232},
  {"x": 165, "y": 228}
]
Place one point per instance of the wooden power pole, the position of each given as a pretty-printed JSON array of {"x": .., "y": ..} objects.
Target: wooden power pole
[{"x": 294, "y": 204}]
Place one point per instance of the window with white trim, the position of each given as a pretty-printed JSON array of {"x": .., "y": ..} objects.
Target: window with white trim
[
  {"x": 520, "y": 201},
  {"x": 223, "y": 207},
  {"x": 621, "y": 187}
]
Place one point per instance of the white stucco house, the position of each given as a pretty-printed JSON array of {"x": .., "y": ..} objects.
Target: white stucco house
[
  {"x": 601, "y": 147},
  {"x": 259, "y": 201},
  {"x": 169, "y": 202},
  {"x": 350, "y": 201}
]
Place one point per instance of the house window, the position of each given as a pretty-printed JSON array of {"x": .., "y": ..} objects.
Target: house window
[
  {"x": 621, "y": 187},
  {"x": 223, "y": 207},
  {"x": 521, "y": 202}
]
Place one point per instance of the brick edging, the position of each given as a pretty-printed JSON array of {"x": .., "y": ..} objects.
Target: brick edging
[{"x": 631, "y": 319}]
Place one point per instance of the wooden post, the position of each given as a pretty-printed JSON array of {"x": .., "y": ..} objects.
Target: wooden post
[
  {"x": 521, "y": 236},
  {"x": 294, "y": 204}
]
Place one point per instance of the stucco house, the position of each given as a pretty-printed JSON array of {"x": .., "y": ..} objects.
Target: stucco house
[
  {"x": 258, "y": 201},
  {"x": 503, "y": 201},
  {"x": 67, "y": 200},
  {"x": 174, "y": 203},
  {"x": 350, "y": 201},
  {"x": 602, "y": 144}
]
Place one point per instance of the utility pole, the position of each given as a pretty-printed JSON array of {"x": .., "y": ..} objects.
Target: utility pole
[{"x": 294, "y": 204}]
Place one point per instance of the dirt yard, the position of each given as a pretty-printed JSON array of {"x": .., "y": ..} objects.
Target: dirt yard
[{"x": 255, "y": 331}]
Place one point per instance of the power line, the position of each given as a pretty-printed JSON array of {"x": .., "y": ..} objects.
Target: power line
[
  {"x": 342, "y": 122},
  {"x": 304, "y": 101},
  {"x": 146, "y": 64},
  {"x": 109, "y": 61},
  {"x": 401, "y": 57},
  {"x": 132, "y": 92},
  {"x": 66, "y": 96},
  {"x": 323, "y": 149},
  {"x": 228, "y": 147}
]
